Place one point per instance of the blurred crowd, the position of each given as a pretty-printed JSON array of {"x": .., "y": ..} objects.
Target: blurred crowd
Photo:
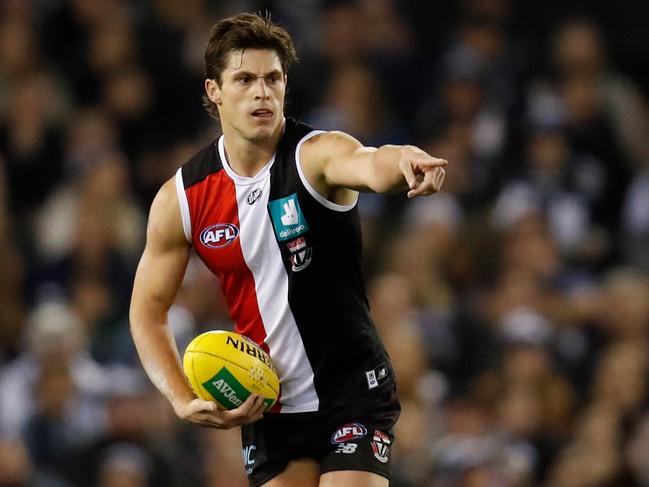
[{"x": 514, "y": 304}]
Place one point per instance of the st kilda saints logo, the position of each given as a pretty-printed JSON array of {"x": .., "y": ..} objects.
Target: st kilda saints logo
[
  {"x": 300, "y": 254},
  {"x": 381, "y": 446}
]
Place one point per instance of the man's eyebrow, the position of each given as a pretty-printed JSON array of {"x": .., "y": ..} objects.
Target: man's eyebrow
[{"x": 254, "y": 75}]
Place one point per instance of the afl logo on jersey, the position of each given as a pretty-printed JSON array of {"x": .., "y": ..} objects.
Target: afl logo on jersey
[{"x": 219, "y": 235}]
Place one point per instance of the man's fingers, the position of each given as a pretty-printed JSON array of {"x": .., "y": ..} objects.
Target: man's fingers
[
  {"x": 439, "y": 178},
  {"x": 409, "y": 174},
  {"x": 207, "y": 413},
  {"x": 431, "y": 183},
  {"x": 432, "y": 162},
  {"x": 201, "y": 405},
  {"x": 258, "y": 410},
  {"x": 251, "y": 410},
  {"x": 248, "y": 408},
  {"x": 197, "y": 406}
]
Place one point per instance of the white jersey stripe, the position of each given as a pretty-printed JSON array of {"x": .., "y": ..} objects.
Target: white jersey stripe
[{"x": 263, "y": 258}]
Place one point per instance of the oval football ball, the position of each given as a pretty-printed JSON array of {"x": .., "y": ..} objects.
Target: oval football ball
[{"x": 226, "y": 367}]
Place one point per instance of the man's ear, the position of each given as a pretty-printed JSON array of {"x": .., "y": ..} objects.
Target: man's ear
[{"x": 213, "y": 91}]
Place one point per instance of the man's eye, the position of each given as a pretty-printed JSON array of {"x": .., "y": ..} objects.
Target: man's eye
[{"x": 244, "y": 81}]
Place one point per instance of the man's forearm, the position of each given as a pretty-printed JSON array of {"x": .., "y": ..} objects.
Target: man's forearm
[
  {"x": 159, "y": 356},
  {"x": 386, "y": 175}
]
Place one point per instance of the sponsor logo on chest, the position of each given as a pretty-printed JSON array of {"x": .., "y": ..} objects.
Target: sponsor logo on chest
[
  {"x": 287, "y": 216},
  {"x": 219, "y": 235}
]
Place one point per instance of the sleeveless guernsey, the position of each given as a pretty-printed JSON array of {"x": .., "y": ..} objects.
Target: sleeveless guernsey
[{"x": 289, "y": 264}]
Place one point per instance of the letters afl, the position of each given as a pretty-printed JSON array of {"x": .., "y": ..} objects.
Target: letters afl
[
  {"x": 348, "y": 432},
  {"x": 219, "y": 235}
]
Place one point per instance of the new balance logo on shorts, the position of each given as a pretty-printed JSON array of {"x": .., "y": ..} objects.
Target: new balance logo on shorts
[{"x": 347, "y": 448}]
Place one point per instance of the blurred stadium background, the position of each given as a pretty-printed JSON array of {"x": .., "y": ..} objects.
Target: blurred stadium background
[{"x": 515, "y": 304}]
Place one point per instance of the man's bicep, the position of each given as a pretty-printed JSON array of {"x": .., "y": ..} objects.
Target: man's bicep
[
  {"x": 164, "y": 260},
  {"x": 341, "y": 161},
  {"x": 158, "y": 277},
  {"x": 353, "y": 170}
]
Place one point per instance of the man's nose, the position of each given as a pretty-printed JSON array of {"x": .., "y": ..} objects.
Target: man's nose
[{"x": 261, "y": 89}]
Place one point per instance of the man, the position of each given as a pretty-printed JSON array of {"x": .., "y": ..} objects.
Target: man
[{"x": 271, "y": 210}]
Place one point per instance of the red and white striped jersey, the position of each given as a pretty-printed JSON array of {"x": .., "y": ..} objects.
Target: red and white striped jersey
[{"x": 289, "y": 263}]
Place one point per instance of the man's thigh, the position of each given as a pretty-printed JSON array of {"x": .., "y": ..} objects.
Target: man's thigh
[
  {"x": 306, "y": 473},
  {"x": 298, "y": 473},
  {"x": 345, "y": 478}
]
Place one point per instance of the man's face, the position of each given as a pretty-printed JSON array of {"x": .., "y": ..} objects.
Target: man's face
[{"x": 251, "y": 96}]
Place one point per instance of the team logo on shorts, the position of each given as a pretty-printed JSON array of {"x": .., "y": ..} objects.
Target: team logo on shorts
[
  {"x": 300, "y": 254},
  {"x": 349, "y": 432},
  {"x": 219, "y": 235},
  {"x": 381, "y": 446}
]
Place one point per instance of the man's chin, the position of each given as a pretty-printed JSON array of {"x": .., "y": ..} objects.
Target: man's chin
[{"x": 261, "y": 133}]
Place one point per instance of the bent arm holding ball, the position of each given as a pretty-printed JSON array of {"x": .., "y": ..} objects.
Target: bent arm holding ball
[{"x": 159, "y": 275}]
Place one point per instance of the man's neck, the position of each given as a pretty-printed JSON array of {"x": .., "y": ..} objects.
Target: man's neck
[{"x": 246, "y": 157}]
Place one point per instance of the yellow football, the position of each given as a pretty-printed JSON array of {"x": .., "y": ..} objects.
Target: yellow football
[{"x": 227, "y": 367}]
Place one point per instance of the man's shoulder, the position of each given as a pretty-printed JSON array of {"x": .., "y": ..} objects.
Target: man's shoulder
[
  {"x": 203, "y": 163},
  {"x": 295, "y": 130},
  {"x": 295, "y": 125}
]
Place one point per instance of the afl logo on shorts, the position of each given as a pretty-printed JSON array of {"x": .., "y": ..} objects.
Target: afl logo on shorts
[
  {"x": 349, "y": 432},
  {"x": 219, "y": 235}
]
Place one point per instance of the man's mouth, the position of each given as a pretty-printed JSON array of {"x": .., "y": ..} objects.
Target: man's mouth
[{"x": 262, "y": 113}]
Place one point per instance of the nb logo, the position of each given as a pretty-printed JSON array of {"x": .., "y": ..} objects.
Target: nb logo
[{"x": 347, "y": 448}]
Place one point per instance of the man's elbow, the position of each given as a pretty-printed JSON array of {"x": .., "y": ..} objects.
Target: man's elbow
[{"x": 382, "y": 183}]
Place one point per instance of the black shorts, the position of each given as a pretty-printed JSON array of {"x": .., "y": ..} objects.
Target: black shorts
[{"x": 357, "y": 437}]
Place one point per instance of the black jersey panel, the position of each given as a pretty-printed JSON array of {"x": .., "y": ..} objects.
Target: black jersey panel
[
  {"x": 321, "y": 251},
  {"x": 201, "y": 165}
]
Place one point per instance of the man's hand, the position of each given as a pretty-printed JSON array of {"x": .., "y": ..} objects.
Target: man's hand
[
  {"x": 207, "y": 413},
  {"x": 423, "y": 173}
]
